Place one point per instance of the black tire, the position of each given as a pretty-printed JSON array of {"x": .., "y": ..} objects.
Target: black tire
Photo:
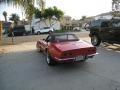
[
  {"x": 49, "y": 60},
  {"x": 95, "y": 40},
  {"x": 50, "y": 32},
  {"x": 38, "y": 33}
]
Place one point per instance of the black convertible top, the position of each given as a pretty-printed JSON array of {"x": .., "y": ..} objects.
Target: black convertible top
[
  {"x": 58, "y": 37},
  {"x": 68, "y": 33}
]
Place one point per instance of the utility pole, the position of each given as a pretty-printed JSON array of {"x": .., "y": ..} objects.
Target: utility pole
[{"x": 0, "y": 32}]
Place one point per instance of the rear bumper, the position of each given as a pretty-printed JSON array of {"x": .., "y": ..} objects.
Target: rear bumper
[
  {"x": 72, "y": 59},
  {"x": 91, "y": 55}
]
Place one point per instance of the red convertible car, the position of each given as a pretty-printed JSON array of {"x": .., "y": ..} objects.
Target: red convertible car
[{"x": 65, "y": 47}]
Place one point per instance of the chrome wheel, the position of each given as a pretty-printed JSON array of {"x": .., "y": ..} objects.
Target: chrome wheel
[
  {"x": 48, "y": 59},
  {"x": 95, "y": 40}
]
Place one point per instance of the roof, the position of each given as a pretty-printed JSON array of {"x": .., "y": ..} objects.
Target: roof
[
  {"x": 107, "y": 20},
  {"x": 104, "y": 14}
]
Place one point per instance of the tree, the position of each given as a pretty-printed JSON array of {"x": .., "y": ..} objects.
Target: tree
[
  {"x": 115, "y": 5},
  {"x": 38, "y": 13},
  {"x": 27, "y": 5},
  {"x": 15, "y": 18},
  {"x": 52, "y": 14},
  {"x": 83, "y": 18},
  {"x": 5, "y": 15},
  {"x": 115, "y": 8}
]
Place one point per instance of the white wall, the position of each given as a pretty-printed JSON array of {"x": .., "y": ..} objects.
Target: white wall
[
  {"x": 37, "y": 24},
  {"x": 42, "y": 23}
]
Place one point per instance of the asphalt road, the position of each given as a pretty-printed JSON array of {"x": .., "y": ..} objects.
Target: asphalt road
[{"x": 28, "y": 70}]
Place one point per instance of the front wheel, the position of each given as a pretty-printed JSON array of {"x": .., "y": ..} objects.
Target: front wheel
[
  {"x": 95, "y": 40},
  {"x": 50, "y": 32}
]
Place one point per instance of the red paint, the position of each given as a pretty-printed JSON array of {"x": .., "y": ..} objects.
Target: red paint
[{"x": 66, "y": 49}]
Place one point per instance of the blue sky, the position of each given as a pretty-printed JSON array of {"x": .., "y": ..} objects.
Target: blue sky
[{"x": 73, "y": 8}]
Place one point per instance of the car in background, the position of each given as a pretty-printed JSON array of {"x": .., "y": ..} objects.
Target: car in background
[
  {"x": 44, "y": 30},
  {"x": 18, "y": 31},
  {"x": 76, "y": 29},
  {"x": 105, "y": 31},
  {"x": 65, "y": 47}
]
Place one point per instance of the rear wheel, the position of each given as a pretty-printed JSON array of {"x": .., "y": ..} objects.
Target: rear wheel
[
  {"x": 49, "y": 59},
  {"x": 95, "y": 40},
  {"x": 38, "y": 33}
]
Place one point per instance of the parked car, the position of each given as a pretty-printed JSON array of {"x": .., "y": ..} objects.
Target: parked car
[
  {"x": 76, "y": 29},
  {"x": 18, "y": 31},
  {"x": 65, "y": 47},
  {"x": 43, "y": 30},
  {"x": 105, "y": 31}
]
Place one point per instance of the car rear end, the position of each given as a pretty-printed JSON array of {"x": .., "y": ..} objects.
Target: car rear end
[{"x": 74, "y": 53}]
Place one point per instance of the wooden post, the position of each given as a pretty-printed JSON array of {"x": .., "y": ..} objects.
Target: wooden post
[{"x": 0, "y": 32}]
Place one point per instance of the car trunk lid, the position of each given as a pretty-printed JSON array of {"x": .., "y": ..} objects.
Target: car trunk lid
[{"x": 75, "y": 48}]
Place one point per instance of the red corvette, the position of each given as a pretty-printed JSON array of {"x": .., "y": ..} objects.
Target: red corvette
[{"x": 65, "y": 47}]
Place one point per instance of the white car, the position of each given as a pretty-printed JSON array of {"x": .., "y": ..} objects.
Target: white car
[{"x": 44, "y": 30}]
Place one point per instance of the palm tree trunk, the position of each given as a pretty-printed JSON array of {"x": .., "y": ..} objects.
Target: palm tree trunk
[
  {"x": 0, "y": 33},
  {"x": 5, "y": 19}
]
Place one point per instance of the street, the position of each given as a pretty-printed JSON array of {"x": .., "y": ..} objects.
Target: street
[{"x": 28, "y": 70}]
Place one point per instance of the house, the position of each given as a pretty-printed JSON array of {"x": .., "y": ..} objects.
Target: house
[
  {"x": 66, "y": 23},
  {"x": 37, "y": 23},
  {"x": 107, "y": 15}
]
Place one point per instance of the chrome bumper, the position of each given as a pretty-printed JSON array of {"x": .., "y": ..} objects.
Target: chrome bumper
[
  {"x": 91, "y": 55},
  {"x": 86, "y": 57}
]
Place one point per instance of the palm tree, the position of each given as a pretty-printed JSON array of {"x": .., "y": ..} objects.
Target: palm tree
[
  {"x": 115, "y": 8},
  {"x": 5, "y": 15},
  {"x": 15, "y": 18},
  {"x": 115, "y": 5},
  {"x": 83, "y": 18},
  {"x": 27, "y": 5}
]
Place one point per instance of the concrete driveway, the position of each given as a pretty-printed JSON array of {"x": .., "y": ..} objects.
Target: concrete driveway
[{"x": 23, "y": 68}]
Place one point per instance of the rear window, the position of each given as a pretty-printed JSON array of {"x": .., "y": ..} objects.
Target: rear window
[
  {"x": 19, "y": 29},
  {"x": 46, "y": 27},
  {"x": 66, "y": 37},
  {"x": 105, "y": 24}
]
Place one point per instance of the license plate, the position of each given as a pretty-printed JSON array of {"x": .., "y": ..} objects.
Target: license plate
[{"x": 79, "y": 58}]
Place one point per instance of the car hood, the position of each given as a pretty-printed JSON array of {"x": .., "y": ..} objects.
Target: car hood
[{"x": 72, "y": 45}]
